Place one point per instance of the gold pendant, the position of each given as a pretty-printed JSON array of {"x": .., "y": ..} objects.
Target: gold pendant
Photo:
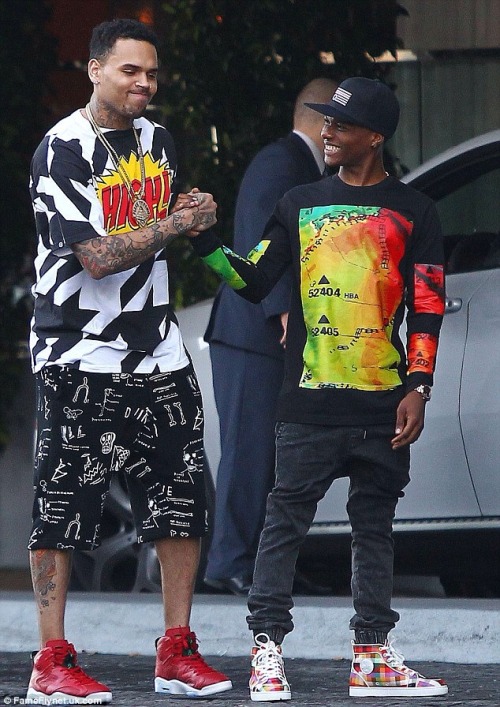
[{"x": 141, "y": 212}]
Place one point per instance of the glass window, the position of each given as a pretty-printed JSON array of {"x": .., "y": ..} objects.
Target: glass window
[{"x": 470, "y": 217}]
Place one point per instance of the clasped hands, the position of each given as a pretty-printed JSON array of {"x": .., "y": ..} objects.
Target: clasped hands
[{"x": 203, "y": 210}]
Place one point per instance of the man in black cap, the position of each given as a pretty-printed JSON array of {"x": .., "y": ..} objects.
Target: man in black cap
[{"x": 362, "y": 246}]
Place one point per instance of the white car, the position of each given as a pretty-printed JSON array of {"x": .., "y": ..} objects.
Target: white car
[{"x": 448, "y": 523}]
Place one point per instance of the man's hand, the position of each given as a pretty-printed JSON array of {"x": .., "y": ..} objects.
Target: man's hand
[
  {"x": 202, "y": 208},
  {"x": 184, "y": 201},
  {"x": 409, "y": 420},
  {"x": 284, "y": 325},
  {"x": 106, "y": 255}
]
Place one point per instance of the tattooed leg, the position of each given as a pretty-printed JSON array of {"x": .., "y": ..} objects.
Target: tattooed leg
[{"x": 50, "y": 572}]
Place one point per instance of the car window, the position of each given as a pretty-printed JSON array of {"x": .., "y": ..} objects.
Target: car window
[{"x": 470, "y": 216}]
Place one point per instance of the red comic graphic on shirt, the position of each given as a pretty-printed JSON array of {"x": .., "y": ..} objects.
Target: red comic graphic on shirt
[{"x": 116, "y": 202}]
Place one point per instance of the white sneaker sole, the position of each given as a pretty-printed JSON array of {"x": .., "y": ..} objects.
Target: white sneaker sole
[
  {"x": 61, "y": 698},
  {"x": 181, "y": 689},
  {"x": 398, "y": 691},
  {"x": 276, "y": 696}
]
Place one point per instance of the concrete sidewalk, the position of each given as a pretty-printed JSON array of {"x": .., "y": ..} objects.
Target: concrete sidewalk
[{"x": 445, "y": 630}]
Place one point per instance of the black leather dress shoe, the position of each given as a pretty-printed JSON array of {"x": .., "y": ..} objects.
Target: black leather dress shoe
[
  {"x": 232, "y": 585},
  {"x": 304, "y": 585}
]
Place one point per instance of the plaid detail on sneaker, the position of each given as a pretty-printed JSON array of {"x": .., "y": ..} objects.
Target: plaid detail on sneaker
[
  {"x": 380, "y": 670},
  {"x": 268, "y": 681}
]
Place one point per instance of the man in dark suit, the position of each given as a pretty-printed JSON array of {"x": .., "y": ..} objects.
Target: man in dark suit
[{"x": 246, "y": 350}]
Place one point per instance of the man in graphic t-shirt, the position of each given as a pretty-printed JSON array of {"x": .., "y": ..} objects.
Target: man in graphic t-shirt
[
  {"x": 362, "y": 245},
  {"x": 115, "y": 388}
]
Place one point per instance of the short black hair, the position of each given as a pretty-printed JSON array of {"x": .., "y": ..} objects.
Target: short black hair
[{"x": 105, "y": 35}]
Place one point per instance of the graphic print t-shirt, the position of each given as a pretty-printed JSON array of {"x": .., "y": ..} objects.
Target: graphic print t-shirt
[
  {"x": 123, "y": 322},
  {"x": 350, "y": 314},
  {"x": 360, "y": 254}
]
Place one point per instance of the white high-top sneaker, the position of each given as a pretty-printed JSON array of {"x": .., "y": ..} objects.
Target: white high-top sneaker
[{"x": 268, "y": 681}]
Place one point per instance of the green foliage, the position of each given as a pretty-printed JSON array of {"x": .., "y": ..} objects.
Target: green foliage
[
  {"x": 23, "y": 87},
  {"x": 236, "y": 67},
  {"x": 233, "y": 66}
]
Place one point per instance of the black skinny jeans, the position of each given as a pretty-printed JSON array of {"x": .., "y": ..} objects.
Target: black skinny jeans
[{"x": 308, "y": 459}]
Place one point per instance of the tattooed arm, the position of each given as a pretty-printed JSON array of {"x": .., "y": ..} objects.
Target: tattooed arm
[{"x": 111, "y": 254}]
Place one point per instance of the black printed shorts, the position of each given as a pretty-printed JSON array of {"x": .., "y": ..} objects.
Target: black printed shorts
[{"x": 90, "y": 426}]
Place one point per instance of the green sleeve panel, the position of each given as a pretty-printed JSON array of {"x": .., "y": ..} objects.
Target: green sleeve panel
[{"x": 220, "y": 264}]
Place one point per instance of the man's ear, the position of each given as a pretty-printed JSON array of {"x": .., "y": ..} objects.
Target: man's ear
[
  {"x": 93, "y": 70},
  {"x": 377, "y": 140}
]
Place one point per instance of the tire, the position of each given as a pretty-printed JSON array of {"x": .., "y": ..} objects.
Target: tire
[{"x": 120, "y": 563}]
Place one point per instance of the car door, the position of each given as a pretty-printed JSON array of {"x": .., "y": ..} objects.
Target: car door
[
  {"x": 454, "y": 467},
  {"x": 441, "y": 484},
  {"x": 480, "y": 390},
  {"x": 455, "y": 463}
]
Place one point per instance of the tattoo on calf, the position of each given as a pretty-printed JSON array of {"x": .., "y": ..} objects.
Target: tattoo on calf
[{"x": 44, "y": 570}]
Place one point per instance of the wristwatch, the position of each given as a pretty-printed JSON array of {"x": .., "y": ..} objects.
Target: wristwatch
[{"x": 425, "y": 391}]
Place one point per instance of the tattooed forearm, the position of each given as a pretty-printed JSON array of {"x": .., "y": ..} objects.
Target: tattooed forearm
[
  {"x": 43, "y": 572},
  {"x": 111, "y": 254}
]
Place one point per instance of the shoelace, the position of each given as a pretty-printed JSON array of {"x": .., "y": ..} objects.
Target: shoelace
[
  {"x": 66, "y": 657},
  {"x": 269, "y": 660},
  {"x": 187, "y": 647},
  {"x": 395, "y": 659},
  {"x": 81, "y": 676}
]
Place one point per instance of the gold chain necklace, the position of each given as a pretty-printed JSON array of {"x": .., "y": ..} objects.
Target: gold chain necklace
[{"x": 140, "y": 209}]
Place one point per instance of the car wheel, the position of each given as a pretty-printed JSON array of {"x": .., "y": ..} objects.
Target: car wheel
[{"x": 120, "y": 563}]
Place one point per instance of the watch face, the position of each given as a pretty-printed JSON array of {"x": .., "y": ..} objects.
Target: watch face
[{"x": 425, "y": 391}]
